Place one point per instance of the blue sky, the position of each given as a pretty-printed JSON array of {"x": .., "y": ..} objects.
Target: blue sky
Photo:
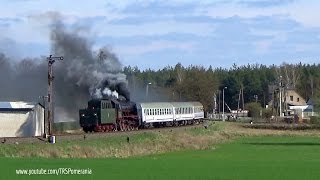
[{"x": 154, "y": 34}]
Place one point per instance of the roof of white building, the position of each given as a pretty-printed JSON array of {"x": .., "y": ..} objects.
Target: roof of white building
[{"x": 17, "y": 105}]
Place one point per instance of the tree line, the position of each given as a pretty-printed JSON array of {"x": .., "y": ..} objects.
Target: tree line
[{"x": 198, "y": 83}]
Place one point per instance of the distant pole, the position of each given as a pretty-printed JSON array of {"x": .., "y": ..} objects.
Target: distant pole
[
  {"x": 256, "y": 97},
  {"x": 223, "y": 119},
  {"x": 51, "y": 60},
  {"x": 280, "y": 97},
  {"x": 214, "y": 109},
  {"x": 147, "y": 90},
  {"x": 219, "y": 108}
]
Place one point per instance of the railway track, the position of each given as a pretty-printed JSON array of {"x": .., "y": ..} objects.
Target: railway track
[{"x": 87, "y": 136}]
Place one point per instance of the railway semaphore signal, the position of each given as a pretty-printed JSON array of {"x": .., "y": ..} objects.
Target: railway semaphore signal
[{"x": 51, "y": 59}]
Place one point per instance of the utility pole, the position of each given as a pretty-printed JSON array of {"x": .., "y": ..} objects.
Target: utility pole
[
  {"x": 223, "y": 119},
  {"x": 280, "y": 96},
  {"x": 51, "y": 59},
  {"x": 214, "y": 109},
  {"x": 147, "y": 90},
  {"x": 256, "y": 97}
]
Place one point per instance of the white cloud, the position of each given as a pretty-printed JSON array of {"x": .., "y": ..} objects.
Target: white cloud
[
  {"x": 154, "y": 47},
  {"x": 304, "y": 12},
  {"x": 263, "y": 46},
  {"x": 156, "y": 28}
]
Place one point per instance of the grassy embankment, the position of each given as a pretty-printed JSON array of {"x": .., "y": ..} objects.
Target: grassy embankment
[
  {"x": 259, "y": 157},
  {"x": 144, "y": 143},
  {"x": 223, "y": 151}
]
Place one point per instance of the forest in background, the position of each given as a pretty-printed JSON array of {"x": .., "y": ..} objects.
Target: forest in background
[{"x": 197, "y": 83}]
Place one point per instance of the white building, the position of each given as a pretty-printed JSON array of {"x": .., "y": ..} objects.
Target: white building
[{"x": 21, "y": 119}]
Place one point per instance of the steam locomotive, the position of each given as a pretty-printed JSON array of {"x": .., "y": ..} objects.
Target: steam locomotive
[{"x": 111, "y": 114}]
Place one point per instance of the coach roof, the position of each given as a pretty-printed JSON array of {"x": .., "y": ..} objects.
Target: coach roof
[{"x": 156, "y": 105}]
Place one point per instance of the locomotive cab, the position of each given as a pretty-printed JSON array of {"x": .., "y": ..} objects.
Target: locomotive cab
[{"x": 99, "y": 116}]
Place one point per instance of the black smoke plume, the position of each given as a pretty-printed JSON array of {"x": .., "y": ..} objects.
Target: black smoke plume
[{"x": 83, "y": 74}]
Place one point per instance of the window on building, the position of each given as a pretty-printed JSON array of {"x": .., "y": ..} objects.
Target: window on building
[
  {"x": 291, "y": 98},
  {"x": 298, "y": 99}
]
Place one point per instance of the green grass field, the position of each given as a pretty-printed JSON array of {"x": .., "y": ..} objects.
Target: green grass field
[{"x": 264, "y": 157}]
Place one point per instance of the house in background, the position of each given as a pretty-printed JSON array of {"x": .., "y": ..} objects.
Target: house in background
[{"x": 292, "y": 103}]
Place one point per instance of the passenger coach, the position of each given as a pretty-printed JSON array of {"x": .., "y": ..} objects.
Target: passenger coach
[{"x": 169, "y": 113}]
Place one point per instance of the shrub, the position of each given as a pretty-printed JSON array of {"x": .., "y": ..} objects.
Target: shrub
[
  {"x": 315, "y": 120},
  {"x": 254, "y": 109}
]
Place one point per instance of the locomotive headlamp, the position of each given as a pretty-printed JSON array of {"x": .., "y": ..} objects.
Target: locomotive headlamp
[
  {"x": 82, "y": 115},
  {"x": 95, "y": 114}
]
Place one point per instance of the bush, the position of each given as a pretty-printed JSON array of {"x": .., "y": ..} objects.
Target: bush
[
  {"x": 315, "y": 120},
  {"x": 267, "y": 113},
  {"x": 254, "y": 109}
]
